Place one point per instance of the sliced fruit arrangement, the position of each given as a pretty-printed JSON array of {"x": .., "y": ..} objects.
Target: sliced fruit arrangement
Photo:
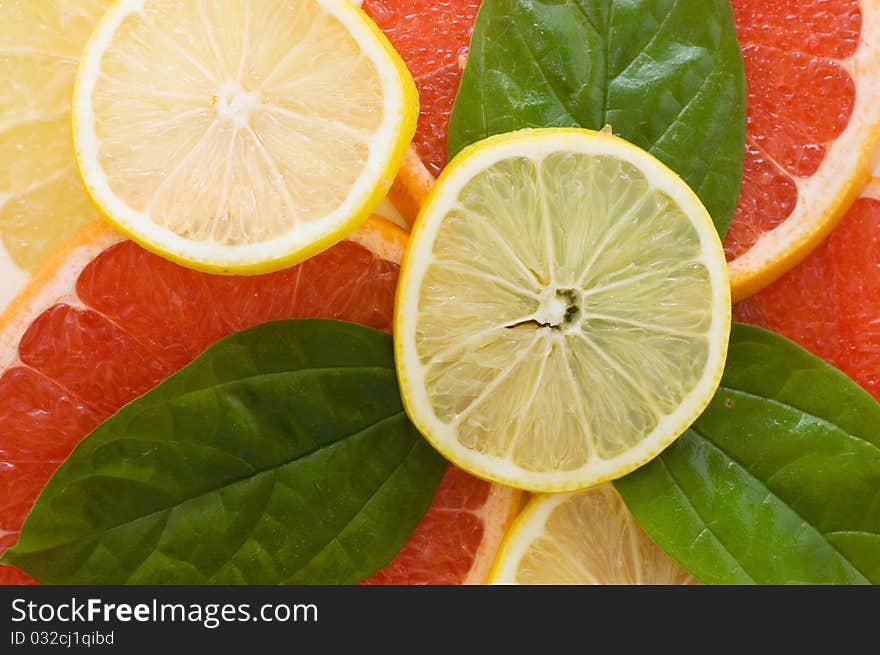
[
  {"x": 42, "y": 202},
  {"x": 666, "y": 76},
  {"x": 106, "y": 321},
  {"x": 776, "y": 482},
  {"x": 546, "y": 338},
  {"x": 813, "y": 73},
  {"x": 563, "y": 309},
  {"x": 230, "y": 150},
  {"x": 829, "y": 304},
  {"x": 586, "y": 537}
]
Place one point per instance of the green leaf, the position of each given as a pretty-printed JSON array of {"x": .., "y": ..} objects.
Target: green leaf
[
  {"x": 667, "y": 75},
  {"x": 778, "y": 482},
  {"x": 282, "y": 455}
]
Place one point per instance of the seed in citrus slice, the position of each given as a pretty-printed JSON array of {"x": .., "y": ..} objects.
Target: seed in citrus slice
[
  {"x": 563, "y": 311},
  {"x": 106, "y": 321},
  {"x": 586, "y": 537},
  {"x": 813, "y": 76},
  {"x": 830, "y": 303},
  {"x": 42, "y": 203},
  {"x": 236, "y": 136},
  {"x": 432, "y": 37}
]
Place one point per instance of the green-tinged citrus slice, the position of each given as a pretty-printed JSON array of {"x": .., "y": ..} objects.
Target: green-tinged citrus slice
[
  {"x": 240, "y": 136},
  {"x": 563, "y": 311},
  {"x": 586, "y": 537}
]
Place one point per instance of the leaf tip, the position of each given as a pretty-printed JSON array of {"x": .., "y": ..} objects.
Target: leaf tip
[{"x": 6, "y": 559}]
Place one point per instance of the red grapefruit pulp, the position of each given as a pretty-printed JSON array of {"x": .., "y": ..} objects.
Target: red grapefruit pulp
[
  {"x": 800, "y": 100},
  {"x": 830, "y": 303},
  {"x": 813, "y": 76},
  {"x": 430, "y": 35},
  {"x": 456, "y": 541},
  {"x": 135, "y": 319}
]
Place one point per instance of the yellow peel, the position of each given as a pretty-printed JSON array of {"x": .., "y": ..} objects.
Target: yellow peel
[{"x": 587, "y": 537}]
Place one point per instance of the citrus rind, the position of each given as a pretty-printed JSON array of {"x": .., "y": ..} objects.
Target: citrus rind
[
  {"x": 387, "y": 150},
  {"x": 536, "y": 144}
]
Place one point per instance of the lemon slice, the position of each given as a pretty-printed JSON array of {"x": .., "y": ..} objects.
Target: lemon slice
[
  {"x": 586, "y": 537},
  {"x": 563, "y": 311},
  {"x": 42, "y": 202},
  {"x": 238, "y": 136}
]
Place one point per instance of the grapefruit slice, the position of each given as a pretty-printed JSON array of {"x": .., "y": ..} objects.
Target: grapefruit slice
[
  {"x": 432, "y": 38},
  {"x": 813, "y": 74},
  {"x": 830, "y": 303},
  {"x": 42, "y": 203},
  {"x": 105, "y": 321}
]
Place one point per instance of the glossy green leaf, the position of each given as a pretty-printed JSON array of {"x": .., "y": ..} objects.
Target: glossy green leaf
[
  {"x": 282, "y": 455},
  {"x": 667, "y": 75},
  {"x": 778, "y": 482}
]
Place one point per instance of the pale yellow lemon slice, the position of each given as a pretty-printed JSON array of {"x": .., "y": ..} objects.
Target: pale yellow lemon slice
[
  {"x": 586, "y": 537},
  {"x": 42, "y": 203},
  {"x": 238, "y": 136}
]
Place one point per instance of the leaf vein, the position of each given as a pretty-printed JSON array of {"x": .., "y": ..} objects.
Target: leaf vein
[
  {"x": 780, "y": 403},
  {"x": 771, "y": 493},
  {"x": 677, "y": 118},
  {"x": 702, "y": 519},
  {"x": 570, "y": 115},
  {"x": 660, "y": 29},
  {"x": 225, "y": 484},
  {"x": 351, "y": 520}
]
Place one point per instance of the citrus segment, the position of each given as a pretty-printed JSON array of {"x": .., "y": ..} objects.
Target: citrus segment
[
  {"x": 64, "y": 343},
  {"x": 41, "y": 423},
  {"x": 588, "y": 537},
  {"x": 813, "y": 74},
  {"x": 42, "y": 203},
  {"x": 829, "y": 304},
  {"x": 457, "y": 540},
  {"x": 431, "y": 37},
  {"x": 411, "y": 187},
  {"x": 563, "y": 311},
  {"x": 107, "y": 320},
  {"x": 264, "y": 136}
]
